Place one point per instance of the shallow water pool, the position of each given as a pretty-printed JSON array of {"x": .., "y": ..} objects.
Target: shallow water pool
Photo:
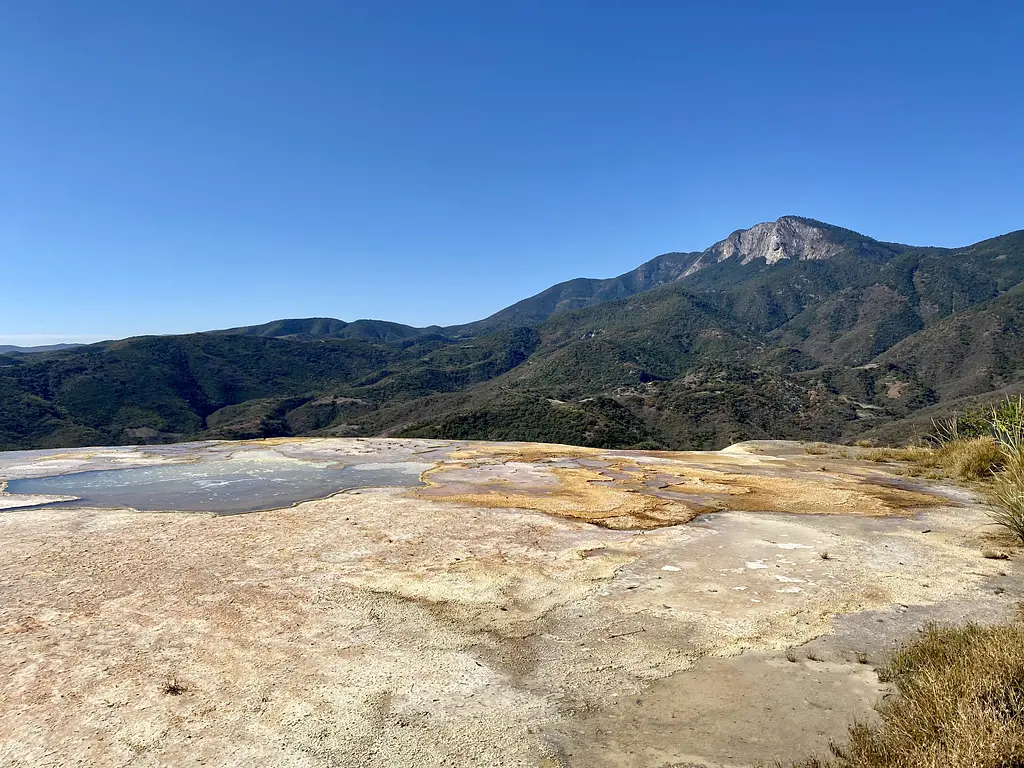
[{"x": 229, "y": 486}]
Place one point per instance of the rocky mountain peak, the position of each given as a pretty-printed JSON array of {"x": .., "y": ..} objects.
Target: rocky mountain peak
[
  {"x": 788, "y": 238},
  {"x": 773, "y": 241}
]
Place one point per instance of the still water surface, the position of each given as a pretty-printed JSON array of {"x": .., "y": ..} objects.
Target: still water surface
[{"x": 229, "y": 486}]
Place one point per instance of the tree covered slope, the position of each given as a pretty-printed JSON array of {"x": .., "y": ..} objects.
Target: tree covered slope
[{"x": 791, "y": 328}]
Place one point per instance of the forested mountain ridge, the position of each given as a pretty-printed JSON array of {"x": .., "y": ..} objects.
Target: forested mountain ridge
[{"x": 793, "y": 328}]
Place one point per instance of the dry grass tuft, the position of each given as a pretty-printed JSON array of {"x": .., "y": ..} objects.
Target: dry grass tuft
[
  {"x": 998, "y": 461},
  {"x": 972, "y": 459},
  {"x": 1007, "y": 498},
  {"x": 172, "y": 686},
  {"x": 961, "y": 705},
  {"x": 995, "y": 554},
  {"x": 913, "y": 453}
]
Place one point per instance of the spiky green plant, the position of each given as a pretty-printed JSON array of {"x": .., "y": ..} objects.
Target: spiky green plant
[
  {"x": 946, "y": 430},
  {"x": 1006, "y": 497},
  {"x": 1008, "y": 426},
  {"x": 979, "y": 421}
]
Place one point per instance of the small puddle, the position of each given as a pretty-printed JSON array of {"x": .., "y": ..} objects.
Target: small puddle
[{"x": 226, "y": 487}]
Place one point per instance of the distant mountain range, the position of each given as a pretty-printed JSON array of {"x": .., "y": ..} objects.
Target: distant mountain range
[
  {"x": 789, "y": 329},
  {"x": 4, "y": 348}
]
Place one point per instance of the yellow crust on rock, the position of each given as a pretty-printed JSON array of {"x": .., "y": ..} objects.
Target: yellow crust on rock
[
  {"x": 590, "y": 496},
  {"x": 578, "y": 498}
]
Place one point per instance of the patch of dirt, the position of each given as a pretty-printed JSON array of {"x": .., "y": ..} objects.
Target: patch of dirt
[{"x": 896, "y": 389}]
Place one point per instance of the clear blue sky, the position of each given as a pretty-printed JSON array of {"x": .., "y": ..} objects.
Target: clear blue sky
[{"x": 175, "y": 166}]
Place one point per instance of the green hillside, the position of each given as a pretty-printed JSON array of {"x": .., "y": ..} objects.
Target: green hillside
[{"x": 791, "y": 329}]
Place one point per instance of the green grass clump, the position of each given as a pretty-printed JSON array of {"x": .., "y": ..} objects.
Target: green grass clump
[{"x": 960, "y": 705}]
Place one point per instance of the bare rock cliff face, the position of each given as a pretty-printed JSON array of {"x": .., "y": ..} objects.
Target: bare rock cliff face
[{"x": 773, "y": 241}]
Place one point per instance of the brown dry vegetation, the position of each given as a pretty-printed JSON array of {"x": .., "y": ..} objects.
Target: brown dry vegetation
[
  {"x": 961, "y": 702},
  {"x": 1007, "y": 497},
  {"x": 971, "y": 459},
  {"x": 995, "y": 463},
  {"x": 961, "y": 705}
]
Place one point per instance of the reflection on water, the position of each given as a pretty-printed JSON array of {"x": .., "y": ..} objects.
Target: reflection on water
[{"x": 226, "y": 487}]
